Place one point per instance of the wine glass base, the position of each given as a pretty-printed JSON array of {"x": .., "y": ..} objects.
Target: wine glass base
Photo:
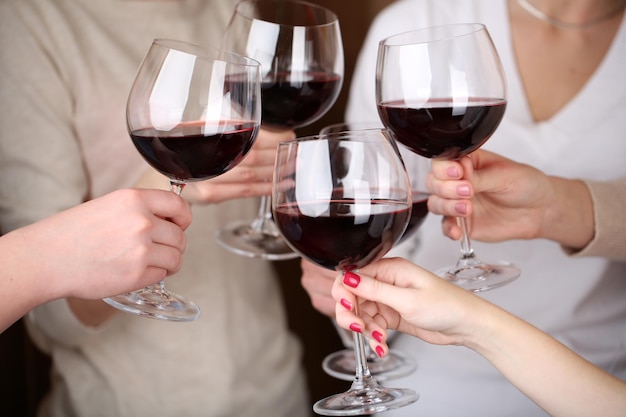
[
  {"x": 481, "y": 277},
  {"x": 242, "y": 239},
  {"x": 364, "y": 401},
  {"x": 342, "y": 365},
  {"x": 162, "y": 306}
]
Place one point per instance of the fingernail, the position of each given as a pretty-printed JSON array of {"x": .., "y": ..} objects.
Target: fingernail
[
  {"x": 380, "y": 351},
  {"x": 453, "y": 172},
  {"x": 463, "y": 190},
  {"x": 378, "y": 336},
  {"x": 355, "y": 327},
  {"x": 351, "y": 279},
  {"x": 346, "y": 304},
  {"x": 461, "y": 208}
]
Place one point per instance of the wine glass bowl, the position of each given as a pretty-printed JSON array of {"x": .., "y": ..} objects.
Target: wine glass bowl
[
  {"x": 192, "y": 113},
  {"x": 442, "y": 91},
  {"x": 300, "y": 50},
  {"x": 342, "y": 201}
]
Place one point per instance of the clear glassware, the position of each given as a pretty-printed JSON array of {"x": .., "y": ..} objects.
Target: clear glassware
[
  {"x": 300, "y": 50},
  {"x": 442, "y": 91},
  {"x": 193, "y": 113},
  {"x": 395, "y": 364},
  {"x": 342, "y": 201}
]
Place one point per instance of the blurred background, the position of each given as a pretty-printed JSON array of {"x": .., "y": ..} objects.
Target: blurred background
[{"x": 24, "y": 371}]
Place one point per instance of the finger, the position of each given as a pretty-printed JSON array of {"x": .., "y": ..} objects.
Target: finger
[
  {"x": 166, "y": 258},
  {"x": 164, "y": 232},
  {"x": 448, "y": 207},
  {"x": 446, "y": 170},
  {"x": 451, "y": 228},
  {"x": 168, "y": 205}
]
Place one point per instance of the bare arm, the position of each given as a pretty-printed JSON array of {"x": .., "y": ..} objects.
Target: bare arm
[
  {"x": 116, "y": 243},
  {"x": 407, "y": 298}
]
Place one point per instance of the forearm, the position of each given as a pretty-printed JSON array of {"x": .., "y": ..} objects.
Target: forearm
[
  {"x": 553, "y": 376},
  {"x": 22, "y": 288}
]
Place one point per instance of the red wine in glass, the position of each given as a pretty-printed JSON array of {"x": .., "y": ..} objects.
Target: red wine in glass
[
  {"x": 443, "y": 128},
  {"x": 363, "y": 237},
  {"x": 191, "y": 151},
  {"x": 297, "y": 100}
]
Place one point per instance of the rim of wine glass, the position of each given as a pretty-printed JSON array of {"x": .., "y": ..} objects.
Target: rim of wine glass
[
  {"x": 330, "y": 18},
  {"x": 205, "y": 52},
  {"x": 446, "y": 32},
  {"x": 354, "y": 134}
]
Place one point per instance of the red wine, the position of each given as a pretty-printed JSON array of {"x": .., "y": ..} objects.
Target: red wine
[
  {"x": 418, "y": 214},
  {"x": 292, "y": 102},
  {"x": 342, "y": 234},
  {"x": 443, "y": 128},
  {"x": 195, "y": 151}
]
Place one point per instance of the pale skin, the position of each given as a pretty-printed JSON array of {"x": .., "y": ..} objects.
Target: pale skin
[
  {"x": 503, "y": 200},
  {"x": 116, "y": 243},
  {"x": 251, "y": 178},
  {"x": 407, "y": 298}
]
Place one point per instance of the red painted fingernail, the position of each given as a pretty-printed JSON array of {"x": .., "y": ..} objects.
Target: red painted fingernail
[
  {"x": 346, "y": 304},
  {"x": 378, "y": 336},
  {"x": 380, "y": 351},
  {"x": 351, "y": 279},
  {"x": 355, "y": 327}
]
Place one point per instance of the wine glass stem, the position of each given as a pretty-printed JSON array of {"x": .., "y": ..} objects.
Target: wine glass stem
[
  {"x": 466, "y": 245},
  {"x": 177, "y": 186},
  {"x": 362, "y": 370},
  {"x": 264, "y": 215}
]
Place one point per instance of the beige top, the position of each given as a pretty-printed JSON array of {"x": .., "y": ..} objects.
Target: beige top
[
  {"x": 66, "y": 67},
  {"x": 609, "y": 200}
]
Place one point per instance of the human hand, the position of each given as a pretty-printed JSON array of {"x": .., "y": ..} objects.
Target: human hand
[
  {"x": 318, "y": 282},
  {"x": 394, "y": 293},
  {"x": 502, "y": 199},
  {"x": 117, "y": 243}
]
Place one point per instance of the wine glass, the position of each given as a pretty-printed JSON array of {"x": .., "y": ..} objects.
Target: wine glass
[
  {"x": 395, "y": 364},
  {"x": 342, "y": 201},
  {"x": 193, "y": 114},
  {"x": 301, "y": 53},
  {"x": 442, "y": 91}
]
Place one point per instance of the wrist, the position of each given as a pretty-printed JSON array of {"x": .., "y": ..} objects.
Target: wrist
[{"x": 569, "y": 218}]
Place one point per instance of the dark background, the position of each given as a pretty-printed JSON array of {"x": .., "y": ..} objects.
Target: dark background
[{"x": 24, "y": 370}]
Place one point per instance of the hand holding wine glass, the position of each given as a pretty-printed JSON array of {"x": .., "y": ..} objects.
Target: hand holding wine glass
[
  {"x": 193, "y": 114},
  {"x": 342, "y": 201},
  {"x": 442, "y": 91},
  {"x": 300, "y": 50}
]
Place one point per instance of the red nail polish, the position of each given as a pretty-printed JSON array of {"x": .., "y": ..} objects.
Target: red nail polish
[
  {"x": 378, "y": 336},
  {"x": 380, "y": 351},
  {"x": 355, "y": 327},
  {"x": 346, "y": 304},
  {"x": 351, "y": 279}
]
